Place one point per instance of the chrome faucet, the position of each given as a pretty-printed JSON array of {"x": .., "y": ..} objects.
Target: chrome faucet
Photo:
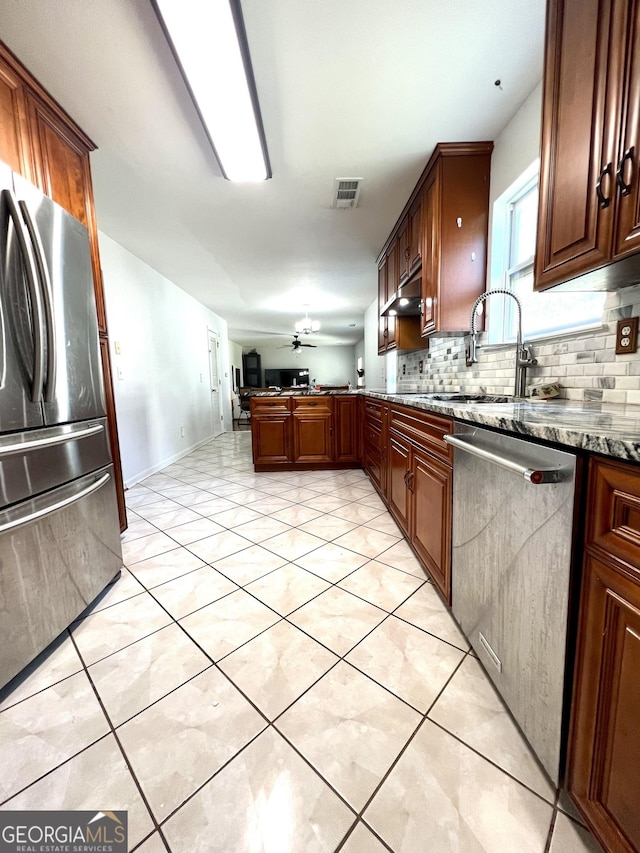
[{"x": 524, "y": 353}]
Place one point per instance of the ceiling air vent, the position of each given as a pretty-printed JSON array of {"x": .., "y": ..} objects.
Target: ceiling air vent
[{"x": 346, "y": 192}]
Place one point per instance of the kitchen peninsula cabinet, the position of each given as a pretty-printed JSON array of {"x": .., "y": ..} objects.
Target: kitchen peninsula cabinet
[
  {"x": 304, "y": 432},
  {"x": 271, "y": 432},
  {"x": 43, "y": 144},
  {"x": 589, "y": 177},
  {"x": 312, "y": 429},
  {"x": 604, "y": 746}
]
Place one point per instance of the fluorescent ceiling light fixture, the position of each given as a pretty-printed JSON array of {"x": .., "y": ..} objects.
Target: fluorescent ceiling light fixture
[{"x": 210, "y": 44}]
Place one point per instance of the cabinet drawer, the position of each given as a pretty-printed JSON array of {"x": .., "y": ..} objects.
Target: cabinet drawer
[
  {"x": 425, "y": 430},
  {"x": 373, "y": 437},
  {"x": 313, "y": 405},
  {"x": 613, "y": 514},
  {"x": 373, "y": 409},
  {"x": 270, "y": 405}
]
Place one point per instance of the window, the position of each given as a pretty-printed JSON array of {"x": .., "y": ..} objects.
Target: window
[{"x": 512, "y": 252}]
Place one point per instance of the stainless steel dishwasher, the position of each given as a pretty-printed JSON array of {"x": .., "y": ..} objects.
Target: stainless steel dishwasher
[{"x": 513, "y": 509}]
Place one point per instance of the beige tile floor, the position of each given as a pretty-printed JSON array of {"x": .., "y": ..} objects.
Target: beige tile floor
[{"x": 273, "y": 672}]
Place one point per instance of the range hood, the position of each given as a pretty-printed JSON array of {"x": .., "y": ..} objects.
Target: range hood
[{"x": 405, "y": 302}]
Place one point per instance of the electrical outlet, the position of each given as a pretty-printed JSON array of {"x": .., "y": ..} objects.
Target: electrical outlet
[
  {"x": 182, "y": 431},
  {"x": 627, "y": 336}
]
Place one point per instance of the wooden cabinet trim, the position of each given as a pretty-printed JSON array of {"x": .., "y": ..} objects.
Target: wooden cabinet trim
[
  {"x": 427, "y": 431},
  {"x": 613, "y": 511},
  {"x": 596, "y": 762},
  {"x": 11, "y": 60}
]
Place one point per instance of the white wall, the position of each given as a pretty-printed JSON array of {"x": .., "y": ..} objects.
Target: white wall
[
  {"x": 328, "y": 365},
  {"x": 517, "y": 146},
  {"x": 163, "y": 362},
  {"x": 235, "y": 360},
  {"x": 375, "y": 376}
]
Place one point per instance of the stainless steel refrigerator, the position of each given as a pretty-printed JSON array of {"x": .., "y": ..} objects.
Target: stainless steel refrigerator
[{"x": 59, "y": 530}]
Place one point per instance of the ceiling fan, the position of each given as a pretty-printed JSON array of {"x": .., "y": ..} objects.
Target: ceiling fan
[{"x": 296, "y": 345}]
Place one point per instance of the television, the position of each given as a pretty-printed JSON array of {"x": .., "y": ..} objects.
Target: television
[{"x": 286, "y": 377}]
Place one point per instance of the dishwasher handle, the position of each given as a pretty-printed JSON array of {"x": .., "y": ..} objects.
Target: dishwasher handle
[{"x": 535, "y": 476}]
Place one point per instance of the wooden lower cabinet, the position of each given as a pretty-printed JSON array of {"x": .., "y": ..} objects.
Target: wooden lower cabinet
[
  {"x": 304, "y": 432},
  {"x": 398, "y": 489},
  {"x": 431, "y": 485},
  {"x": 374, "y": 443},
  {"x": 604, "y": 740},
  {"x": 271, "y": 438},
  {"x": 312, "y": 430},
  {"x": 605, "y": 750},
  {"x": 419, "y": 490},
  {"x": 345, "y": 430}
]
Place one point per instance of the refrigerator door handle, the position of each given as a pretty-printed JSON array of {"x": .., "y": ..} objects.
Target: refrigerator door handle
[
  {"x": 47, "y": 294},
  {"x": 49, "y": 441},
  {"x": 41, "y": 513},
  {"x": 36, "y": 307}
]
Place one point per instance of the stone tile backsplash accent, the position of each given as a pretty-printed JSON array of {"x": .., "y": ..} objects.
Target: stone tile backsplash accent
[{"x": 584, "y": 363}]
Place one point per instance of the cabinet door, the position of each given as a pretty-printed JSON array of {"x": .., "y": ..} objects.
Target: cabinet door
[
  {"x": 398, "y": 472},
  {"x": 431, "y": 517},
  {"x": 64, "y": 174},
  {"x": 584, "y": 52},
  {"x": 271, "y": 438},
  {"x": 15, "y": 148},
  {"x": 415, "y": 235},
  {"x": 604, "y": 750},
  {"x": 431, "y": 259},
  {"x": 627, "y": 237},
  {"x": 345, "y": 420},
  {"x": 382, "y": 298},
  {"x": 404, "y": 252},
  {"x": 312, "y": 434},
  {"x": 392, "y": 286}
]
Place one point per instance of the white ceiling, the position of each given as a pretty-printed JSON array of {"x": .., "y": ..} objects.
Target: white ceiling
[{"x": 361, "y": 88}]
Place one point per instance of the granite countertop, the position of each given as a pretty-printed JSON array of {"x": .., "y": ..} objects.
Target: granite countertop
[{"x": 609, "y": 428}]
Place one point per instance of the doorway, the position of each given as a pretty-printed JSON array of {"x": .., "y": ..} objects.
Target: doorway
[{"x": 215, "y": 382}]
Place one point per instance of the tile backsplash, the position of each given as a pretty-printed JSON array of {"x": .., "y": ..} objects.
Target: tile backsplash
[{"x": 584, "y": 363}]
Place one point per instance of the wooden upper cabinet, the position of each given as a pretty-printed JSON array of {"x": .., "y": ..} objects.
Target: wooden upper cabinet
[
  {"x": 14, "y": 135},
  {"x": 430, "y": 266},
  {"x": 63, "y": 172},
  {"x": 44, "y": 145},
  {"x": 415, "y": 235},
  {"x": 404, "y": 252},
  {"x": 589, "y": 202},
  {"x": 455, "y": 220},
  {"x": 627, "y": 236},
  {"x": 578, "y": 140}
]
